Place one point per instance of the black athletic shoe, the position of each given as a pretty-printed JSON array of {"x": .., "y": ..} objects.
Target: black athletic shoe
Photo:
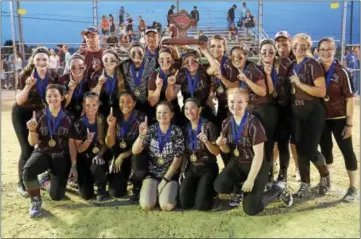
[
  {"x": 286, "y": 196},
  {"x": 304, "y": 190},
  {"x": 351, "y": 195},
  {"x": 235, "y": 199}
]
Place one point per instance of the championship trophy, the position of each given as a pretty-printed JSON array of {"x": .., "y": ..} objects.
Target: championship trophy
[{"x": 182, "y": 22}]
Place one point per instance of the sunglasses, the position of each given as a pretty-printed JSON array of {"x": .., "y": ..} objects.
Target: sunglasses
[
  {"x": 81, "y": 68},
  {"x": 135, "y": 53},
  {"x": 325, "y": 50}
]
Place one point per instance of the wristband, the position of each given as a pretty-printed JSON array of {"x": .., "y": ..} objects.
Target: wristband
[
  {"x": 141, "y": 136},
  {"x": 165, "y": 179},
  {"x": 349, "y": 125}
]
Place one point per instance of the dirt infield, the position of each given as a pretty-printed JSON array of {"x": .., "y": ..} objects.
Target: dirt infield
[{"x": 73, "y": 217}]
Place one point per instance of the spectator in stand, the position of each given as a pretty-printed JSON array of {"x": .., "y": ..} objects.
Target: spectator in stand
[
  {"x": 122, "y": 29},
  {"x": 111, "y": 24},
  {"x": 105, "y": 25},
  {"x": 61, "y": 55},
  {"x": 231, "y": 15},
  {"x": 129, "y": 25},
  {"x": 3, "y": 69},
  {"x": 124, "y": 40},
  {"x": 249, "y": 22},
  {"x": 132, "y": 36},
  {"x": 352, "y": 63},
  {"x": 195, "y": 15},
  {"x": 170, "y": 12},
  {"x": 121, "y": 15},
  {"x": 67, "y": 58},
  {"x": 244, "y": 10},
  {"x": 53, "y": 60},
  {"x": 233, "y": 33},
  {"x": 173, "y": 30},
  {"x": 315, "y": 54},
  {"x": 14, "y": 64},
  {"x": 141, "y": 26}
]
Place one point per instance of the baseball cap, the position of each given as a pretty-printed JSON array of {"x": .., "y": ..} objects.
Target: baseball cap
[
  {"x": 151, "y": 30},
  {"x": 195, "y": 7},
  {"x": 91, "y": 29},
  {"x": 284, "y": 34}
]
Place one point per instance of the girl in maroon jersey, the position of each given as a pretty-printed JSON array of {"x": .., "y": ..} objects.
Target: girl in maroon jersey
[
  {"x": 30, "y": 96},
  {"x": 88, "y": 134},
  {"x": 309, "y": 88},
  {"x": 340, "y": 106},
  {"x": 243, "y": 137},
  {"x": 49, "y": 129},
  {"x": 76, "y": 83}
]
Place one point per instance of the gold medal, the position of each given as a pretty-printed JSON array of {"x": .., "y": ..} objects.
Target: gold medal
[
  {"x": 193, "y": 158},
  {"x": 160, "y": 161},
  {"x": 274, "y": 94},
  {"x": 220, "y": 90},
  {"x": 123, "y": 144},
  {"x": 137, "y": 92},
  {"x": 95, "y": 150},
  {"x": 326, "y": 98},
  {"x": 236, "y": 152},
  {"x": 52, "y": 143}
]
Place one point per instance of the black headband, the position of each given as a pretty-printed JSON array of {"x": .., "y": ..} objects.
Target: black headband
[{"x": 40, "y": 50}]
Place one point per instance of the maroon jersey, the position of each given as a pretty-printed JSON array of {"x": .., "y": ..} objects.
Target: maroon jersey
[
  {"x": 204, "y": 157},
  {"x": 202, "y": 89},
  {"x": 35, "y": 101},
  {"x": 75, "y": 105},
  {"x": 61, "y": 134},
  {"x": 308, "y": 72},
  {"x": 253, "y": 133},
  {"x": 89, "y": 57},
  {"x": 338, "y": 90},
  {"x": 256, "y": 75}
]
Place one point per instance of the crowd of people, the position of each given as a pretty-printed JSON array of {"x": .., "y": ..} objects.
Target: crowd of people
[{"x": 108, "y": 122}]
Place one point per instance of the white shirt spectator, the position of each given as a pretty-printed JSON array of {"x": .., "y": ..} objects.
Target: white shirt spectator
[{"x": 54, "y": 62}]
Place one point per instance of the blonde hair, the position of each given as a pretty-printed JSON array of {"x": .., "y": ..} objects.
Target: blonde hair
[
  {"x": 307, "y": 38},
  {"x": 241, "y": 91}
]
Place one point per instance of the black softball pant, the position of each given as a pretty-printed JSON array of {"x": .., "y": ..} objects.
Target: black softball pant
[
  {"x": 309, "y": 122},
  {"x": 118, "y": 182},
  {"x": 268, "y": 115},
  {"x": 235, "y": 173},
  {"x": 139, "y": 169},
  {"x": 284, "y": 133},
  {"x": 39, "y": 162},
  {"x": 197, "y": 187},
  {"x": 20, "y": 116},
  {"x": 89, "y": 174},
  {"x": 335, "y": 127}
]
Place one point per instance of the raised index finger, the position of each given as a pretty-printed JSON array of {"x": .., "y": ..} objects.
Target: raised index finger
[
  {"x": 33, "y": 73},
  {"x": 175, "y": 75},
  {"x": 111, "y": 111},
  {"x": 34, "y": 115},
  {"x": 146, "y": 120}
]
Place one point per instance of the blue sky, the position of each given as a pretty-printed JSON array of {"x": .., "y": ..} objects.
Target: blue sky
[{"x": 61, "y": 22}]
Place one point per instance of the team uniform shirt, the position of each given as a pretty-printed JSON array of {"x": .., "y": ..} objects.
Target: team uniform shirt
[
  {"x": 204, "y": 157},
  {"x": 130, "y": 84},
  {"x": 174, "y": 147},
  {"x": 255, "y": 74},
  {"x": 75, "y": 105},
  {"x": 202, "y": 89},
  {"x": 90, "y": 57},
  {"x": 253, "y": 133},
  {"x": 61, "y": 134},
  {"x": 35, "y": 100},
  {"x": 281, "y": 83},
  {"x": 131, "y": 132},
  {"x": 79, "y": 132},
  {"x": 308, "y": 72},
  {"x": 338, "y": 90}
]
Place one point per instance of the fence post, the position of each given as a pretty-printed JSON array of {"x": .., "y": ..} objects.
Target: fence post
[
  {"x": 95, "y": 14},
  {"x": 260, "y": 21},
  {"x": 343, "y": 34},
  {"x": 13, "y": 38}
]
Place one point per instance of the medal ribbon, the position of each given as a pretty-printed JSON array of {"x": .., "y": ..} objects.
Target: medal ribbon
[
  {"x": 223, "y": 70},
  {"x": 53, "y": 128},
  {"x": 164, "y": 77},
  {"x": 274, "y": 76},
  {"x": 110, "y": 84},
  {"x": 193, "y": 137},
  {"x": 192, "y": 84},
  {"x": 298, "y": 67},
  {"x": 162, "y": 140},
  {"x": 329, "y": 74},
  {"x": 137, "y": 78},
  {"x": 237, "y": 133},
  {"x": 41, "y": 84},
  {"x": 125, "y": 125}
]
